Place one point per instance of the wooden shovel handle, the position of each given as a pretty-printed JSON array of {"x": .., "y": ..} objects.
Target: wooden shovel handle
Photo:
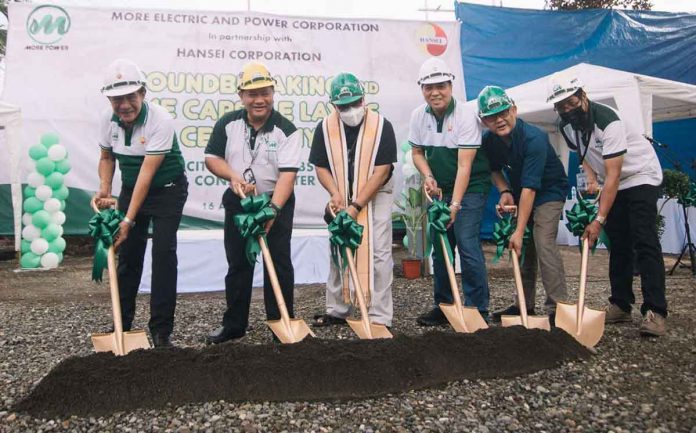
[
  {"x": 583, "y": 282},
  {"x": 520, "y": 290}
]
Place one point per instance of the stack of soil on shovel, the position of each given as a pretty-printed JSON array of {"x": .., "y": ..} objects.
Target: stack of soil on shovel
[{"x": 314, "y": 369}]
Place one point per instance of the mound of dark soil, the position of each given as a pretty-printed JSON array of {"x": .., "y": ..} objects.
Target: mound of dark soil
[{"x": 314, "y": 369}]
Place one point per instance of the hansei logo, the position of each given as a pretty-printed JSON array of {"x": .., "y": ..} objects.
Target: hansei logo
[
  {"x": 432, "y": 39},
  {"x": 47, "y": 24}
]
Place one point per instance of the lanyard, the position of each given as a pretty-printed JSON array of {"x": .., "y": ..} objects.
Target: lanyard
[
  {"x": 253, "y": 151},
  {"x": 585, "y": 142}
]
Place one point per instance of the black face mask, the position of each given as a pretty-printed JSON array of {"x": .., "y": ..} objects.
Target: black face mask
[{"x": 576, "y": 117}]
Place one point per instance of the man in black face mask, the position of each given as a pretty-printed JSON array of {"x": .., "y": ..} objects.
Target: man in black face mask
[{"x": 616, "y": 153}]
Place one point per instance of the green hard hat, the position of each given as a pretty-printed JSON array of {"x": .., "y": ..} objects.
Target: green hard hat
[
  {"x": 345, "y": 89},
  {"x": 492, "y": 100}
]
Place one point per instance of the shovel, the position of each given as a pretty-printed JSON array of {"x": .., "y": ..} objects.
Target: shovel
[
  {"x": 585, "y": 324},
  {"x": 118, "y": 342},
  {"x": 286, "y": 329},
  {"x": 364, "y": 329},
  {"x": 539, "y": 322},
  {"x": 462, "y": 319}
]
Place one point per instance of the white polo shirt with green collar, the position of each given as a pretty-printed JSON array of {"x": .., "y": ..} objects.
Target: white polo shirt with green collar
[
  {"x": 272, "y": 149},
  {"x": 151, "y": 134}
]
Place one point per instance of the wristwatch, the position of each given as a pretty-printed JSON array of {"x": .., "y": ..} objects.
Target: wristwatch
[
  {"x": 356, "y": 206},
  {"x": 601, "y": 220},
  {"x": 274, "y": 207},
  {"x": 455, "y": 205},
  {"x": 128, "y": 221}
]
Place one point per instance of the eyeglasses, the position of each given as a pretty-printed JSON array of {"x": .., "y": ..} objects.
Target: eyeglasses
[
  {"x": 567, "y": 104},
  {"x": 495, "y": 116},
  {"x": 132, "y": 98}
]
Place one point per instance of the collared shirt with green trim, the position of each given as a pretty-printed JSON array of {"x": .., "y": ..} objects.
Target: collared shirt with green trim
[
  {"x": 152, "y": 133},
  {"x": 612, "y": 137},
  {"x": 441, "y": 139},
  {"x": 272, "y": 149}
]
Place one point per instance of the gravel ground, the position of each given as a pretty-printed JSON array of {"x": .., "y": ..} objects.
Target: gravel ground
[{"x": 630, "y": 385}]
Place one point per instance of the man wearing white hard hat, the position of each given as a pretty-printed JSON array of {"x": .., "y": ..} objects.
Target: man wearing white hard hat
[
  {"x": 445, "y": 136},
  {"x": 141, "y": 137},
  {"x": 614, "y": 151},
  {"x": 255, "y": 149}
]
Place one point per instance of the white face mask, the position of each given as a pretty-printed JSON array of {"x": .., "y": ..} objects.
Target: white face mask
[{"x": 352, "y": 116}]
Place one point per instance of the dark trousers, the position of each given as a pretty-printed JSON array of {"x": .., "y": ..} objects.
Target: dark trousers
[
  {"x": 240, "y": 273},
  {"x": 631, "y": 227},
  {"x": 163, "y": 206}
]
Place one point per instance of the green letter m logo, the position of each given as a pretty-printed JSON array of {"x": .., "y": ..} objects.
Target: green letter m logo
[{"x": 47, "y": 24}]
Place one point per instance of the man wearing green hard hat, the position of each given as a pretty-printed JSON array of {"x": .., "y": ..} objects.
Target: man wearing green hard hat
[
  {"x": 354, "y": 151},
  {"x": 529, "y": 174}
]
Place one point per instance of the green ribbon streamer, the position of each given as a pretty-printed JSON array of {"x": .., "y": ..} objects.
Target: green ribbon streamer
[
  {"x": 438, "y": 218},
  {"x": 344, "y": 232},
  {"x": 688, "y": 199},
  {"x": 580, "y": 216},
  {"x": 103, "y": 227},
  {"x": 250, "y": 223},
  {"x": 502, "y": 231}
]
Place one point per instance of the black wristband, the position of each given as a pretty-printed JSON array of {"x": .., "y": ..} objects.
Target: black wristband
[
  {"x": 356, "y": 206},
  {"x": 506, "y": 191},
  {"x": 274, "y": 207}
]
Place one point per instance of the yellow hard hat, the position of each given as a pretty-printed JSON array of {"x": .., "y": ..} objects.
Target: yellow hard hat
[{"x": 255, "y": 76}]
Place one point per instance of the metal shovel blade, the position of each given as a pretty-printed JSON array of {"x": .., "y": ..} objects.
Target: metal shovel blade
[
  {"x": 132, "y": 340},
  {"x": 591, "y": 327},
  {"x": 463, "y": 319},
  {"x": 536, "y": 322},
  {"x": 375, "y": 331},
  {"x": 296, "y": 332}
]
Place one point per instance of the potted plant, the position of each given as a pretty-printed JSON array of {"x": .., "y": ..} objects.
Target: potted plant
[{"x": 411, "y": 213}]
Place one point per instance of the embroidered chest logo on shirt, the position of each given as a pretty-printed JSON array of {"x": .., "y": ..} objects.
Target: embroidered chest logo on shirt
[
  {"x": 599, "y": 144},
  {"x": 449, "y": 127},
  {"x": 114, "y": 137},
  {"x": 272, "y": 145},
  {"x": 142, "y": 140}
]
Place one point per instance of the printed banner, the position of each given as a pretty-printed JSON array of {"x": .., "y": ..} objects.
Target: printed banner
[{"x": 57, "y": 55}]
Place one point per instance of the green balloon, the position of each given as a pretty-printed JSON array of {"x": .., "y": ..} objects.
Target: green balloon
[
  {"x": 405, "y": 146},
  {"x": 30, "y": 260},
  {"x": 41, "y": 218},
  {"x": 49, "y": 139},
  {"x": 45, "y": 166},
  {"x": 37, "y": 152},
  {"x": 32, "y": 204},
  {"x": 60, "y": 257},
  {"x": 62, "y": 205},
  {"x": 51, "y": 232},
  {"x": 57, "y": 245},
  {"x": 29, "y": 191},
  {"x": 63, "y": 166},
  {"x": 54, "y": 180},
  {"x": 61, "y": 193},
  {"x": 26, "y": 246}
]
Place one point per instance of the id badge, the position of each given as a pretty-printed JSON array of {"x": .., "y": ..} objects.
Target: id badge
[
  {"x": 581, "y": 180},
  {"x": 249, "y": 176}
]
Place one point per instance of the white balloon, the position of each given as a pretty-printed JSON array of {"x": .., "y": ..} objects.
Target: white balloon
[
  {"x": 26, "y": 219},
  {"x": 31, "y": 232},
  {"x": 58, "y": 218},
  {"x": 39, "y": 246},
  {"x": 35, "y": 179},
  {"x": 49, "y": 260},
  {"x": 57, "y": 152},
  {"x": 43, "y": 192},
  {"x": 408, "y": 157},
  {"x": 408, "y": 170},
  {"x": 52, "y": 205}
]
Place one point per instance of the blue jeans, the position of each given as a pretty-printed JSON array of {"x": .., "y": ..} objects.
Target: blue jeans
[{"x": 465, "y": 235}]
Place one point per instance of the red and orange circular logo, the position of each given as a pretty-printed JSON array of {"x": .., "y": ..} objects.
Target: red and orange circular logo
[{"x": 432, "y": 38}]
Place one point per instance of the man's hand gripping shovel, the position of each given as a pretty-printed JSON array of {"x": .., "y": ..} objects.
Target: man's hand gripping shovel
[
  {"x": 462, "y": 319},
  {"x": 286, "y": 329},
  {"x": 118, "y": 342},
  {"x": 529, "y": 322}
]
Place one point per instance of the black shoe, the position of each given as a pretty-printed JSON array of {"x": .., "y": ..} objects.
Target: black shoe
[
  {"x": 512, "y": 310},
  {"x": 434, "y": 317},
  {"x": 161, "y": 341},
  {"x": 552, "y": 318},
  {"x": 222, "y": 334}
]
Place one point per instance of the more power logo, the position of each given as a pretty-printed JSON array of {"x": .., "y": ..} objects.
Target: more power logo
[
  {"x": 46, "y": 25},
  {"x": 432, "y": 38}
]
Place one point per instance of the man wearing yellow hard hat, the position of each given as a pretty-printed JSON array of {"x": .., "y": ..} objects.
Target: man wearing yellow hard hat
[{"x": 255, "y": 149}]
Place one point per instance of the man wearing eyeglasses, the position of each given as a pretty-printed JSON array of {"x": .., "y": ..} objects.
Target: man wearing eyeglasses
[
  {"x": 354, "y": 150},
  {"x": 616, "y": 152},
  {"x": 256, "y": 150},
  {"x": 445, "y": 136},
  {"x": 141, "y": 137},
  {"x": 528, "y": 173}
]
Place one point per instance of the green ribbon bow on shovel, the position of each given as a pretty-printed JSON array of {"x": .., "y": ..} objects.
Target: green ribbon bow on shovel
[
  {"x": 251, "y": 223},
  {"x": 103, "y": 227},
  {"x": 688, "y": 199},
  {"x": 438, "y": 218},
  {"x": 344, "y": 232},
  {"x": 502, "y": 231},
  {"x": 580, "y": 216}
]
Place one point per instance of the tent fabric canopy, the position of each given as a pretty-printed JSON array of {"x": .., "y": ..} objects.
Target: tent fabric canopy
[{"x": 11, "y": 122}]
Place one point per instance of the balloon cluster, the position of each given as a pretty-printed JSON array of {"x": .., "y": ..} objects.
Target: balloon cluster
[
  {"x": 44, "y": 202},
  {"x": 408, "y": 169}
]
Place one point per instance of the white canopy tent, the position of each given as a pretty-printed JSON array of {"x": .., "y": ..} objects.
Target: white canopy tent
[{"x": 11, "y": 125}]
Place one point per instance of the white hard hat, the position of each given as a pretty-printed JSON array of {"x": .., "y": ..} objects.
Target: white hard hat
[
  {"x": 562, "y": 86},
  {"x": 122, "y": 77},
  {"x": 434, "y": 70}
]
